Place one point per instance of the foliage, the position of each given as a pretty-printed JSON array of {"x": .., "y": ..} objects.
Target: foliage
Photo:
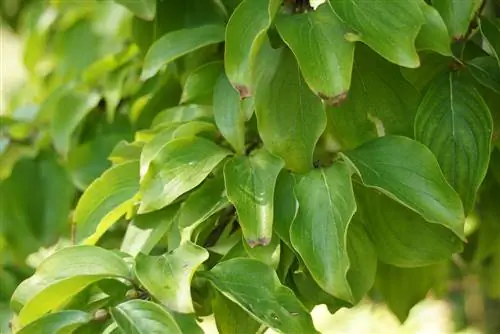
[{"x": 168, "y": 160}]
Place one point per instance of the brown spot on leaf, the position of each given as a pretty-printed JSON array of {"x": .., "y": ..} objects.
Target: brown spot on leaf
[
  {"x": 334, "y": 101},
  {"x": 244, "y": 91},
  {"x": 263, "y": 241}
]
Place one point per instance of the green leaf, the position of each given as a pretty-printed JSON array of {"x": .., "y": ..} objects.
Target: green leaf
[
  {"x": 145, "y": 9},
  {"x": 61, "y": 276},
  {"x": 143, "y": 317},
  {"x": 402, "y": 237},
  {"x": 105, "y": 201},
  {"x": 168, "y": 133},
  {"x": 454, "y": 122},
  {"x": 245, "y": 32},
  {"x": 490, "y": 28},
  {"x": 402, "y": 288},
  {"x": 380, "y": 102},
  {"x": 255, "y": 287},
  {"x": 179, "y": 167},
  {"x": 321, "y": 236},
  {"x": 457, "y": 14},
  {"x": 179, "y": 43},
  {"x": 250, "y": 183},
  {"x": 181, "y": 114},
  {"x": 433, "y": 35},
  {"x": 432, "y": 64},
  {"x": 285, "y": 206},
  {"x": 199, "y": 85},
  {"x": 408, "y": 172},
  {"x": 58, "y": 322},
  {"x": 168, "y": 277},
  {"x": 202, "y": 203},
  {"x": 230, "y": 318},
  {"x": 324, "y": 56},
  {"x": 486, "y": 71},
  {"x": 69, "y": 110},
  {"x": 145, "y": 231},
  {"x": 268, "y": 254},
  {"x": 186, "y": 322},
  {"x": 125, "y": 152},
  {"x": 229, "y": 114},
  {"x": 290, "y": 117},
  {"x": 374, "y": 23}
]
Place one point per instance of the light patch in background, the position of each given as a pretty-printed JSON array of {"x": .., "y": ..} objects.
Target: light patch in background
[
  {"x": 316, "y": 3},
  {"x": 11, "y": 67}
]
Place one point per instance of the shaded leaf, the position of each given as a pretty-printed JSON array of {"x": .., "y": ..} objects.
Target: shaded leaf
[
  {"x": 245, "y": 32},
  {"x": 178, "y": 43},
  {"x": 290, "y": 117},
  {"x": 254, "y": 286},
  {"x": 250, "y": 183},
  {"x": 408, "y": 172},
  {"x": 230, "y": 318},
  {"x": 168, "y": 277},
  {"x": 180, "y": 166},
  {"x": 199, "y": 85},
  {"x": 285, "y": 206},
  {"x": 145, "y": 9},
  {"x": 486, "y": 71},
  {"x": 490, "y": 28},
  {"x": 457, "y": 15},
  {"x": 454, "y": 122},
  {"x": 58, "y": 322},
  {"x": 374, "y": 23},
  {"x": 105, "y": 201},
  {"x": 324, "y": 56},
  {"x": 433, "y": 35},
  {"x": 143, "y": 317}
]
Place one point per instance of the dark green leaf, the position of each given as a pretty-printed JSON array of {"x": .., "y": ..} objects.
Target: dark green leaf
[
  {"x": 231, "y": 319},
  {"x": 229, "y": 114},
  {"x": 180, "y": 166},
  {"x": 245, "y": 32},
  {"x": 145, "y": 9},
  {"x": 374, "y": 23},
  {"x": 250, "y": 183},
  {"x": 178, "y": 43},
  {"x": 486, "y": 71},
  {"x": 324, "y": 56},
  {"x": 144, "y": 317},
  {"x": 168, "y": 277},
  {"x": 255, "y": 287},
  {"x": 61, "y": 276},
  {"x": 58, "y": 322},
  {"x": 199, "y": 85},
  {"x": 434, "y": 34},
  {"x": 457, "y": 15},
  {"x": 285, "y": 206},
  {"x": 408, "y": 172},
  {"x": 455, "y": 123},
  {"x": 490, "y": 29},
  {"x": 106, "y": 200},
  {"x": 290, "y": 117}
]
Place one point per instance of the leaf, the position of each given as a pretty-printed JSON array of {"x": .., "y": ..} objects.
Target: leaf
[
  {"x": 490, "y": 28},
  {"x": 374, "y": 23},
  {"x": 202, "y": 203},
  {"x": 380, "y": 102},
  {"x": 408, "y": 172},
  {"x": 402, "y": 237},
  {"x": 250, "y": 183},
  {"x": 61, "y": 276},
  {"x": 245, "y": 32},
  {"x": 230, "y": 318},
  {"x": 486, "y": 71},
  {"x": 186, "y": 322},
  {"x": 290, "y": 117},
  {"x": 432, "y": 64},
  {"x": 143, "y": 317},
  {"x": 125, "y": 152},
  {"x": 255, "y": 287},
  {"x": 268, "y": 254},
  {"x": 168, "y": 277},
  {"x": 402, "y": 288},
  {"x": 145, "y": 231},
  {"x": 285, "y": 206},
  {"x": 181, "y": 114},
  {"x": 454, "y": 122},
  {"x": 178, "y": 43},
  {"x": 229, "y": 114},
  {"x": 199, "y": 85},
  {"x": 145, "y": 9},
  {"x": 70, "y": 109},
  {"x": 324, "y": 56},
  {"x": 433, "y": 35},
  {"x": 168, "y": 133},
  {"x": 105, "y": 201},
  {"x": 179, "y": 167},
  {"x": 58, "y": 322},
  {"x": 457, "y": 15},
  {"x": 320, "y": 236}
]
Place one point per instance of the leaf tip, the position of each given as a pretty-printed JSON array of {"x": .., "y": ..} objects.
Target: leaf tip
[
  {"x": 261, "y": 241},
  {"x": 243, "y": 90},
  {"x": 333, "y": 101}
]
